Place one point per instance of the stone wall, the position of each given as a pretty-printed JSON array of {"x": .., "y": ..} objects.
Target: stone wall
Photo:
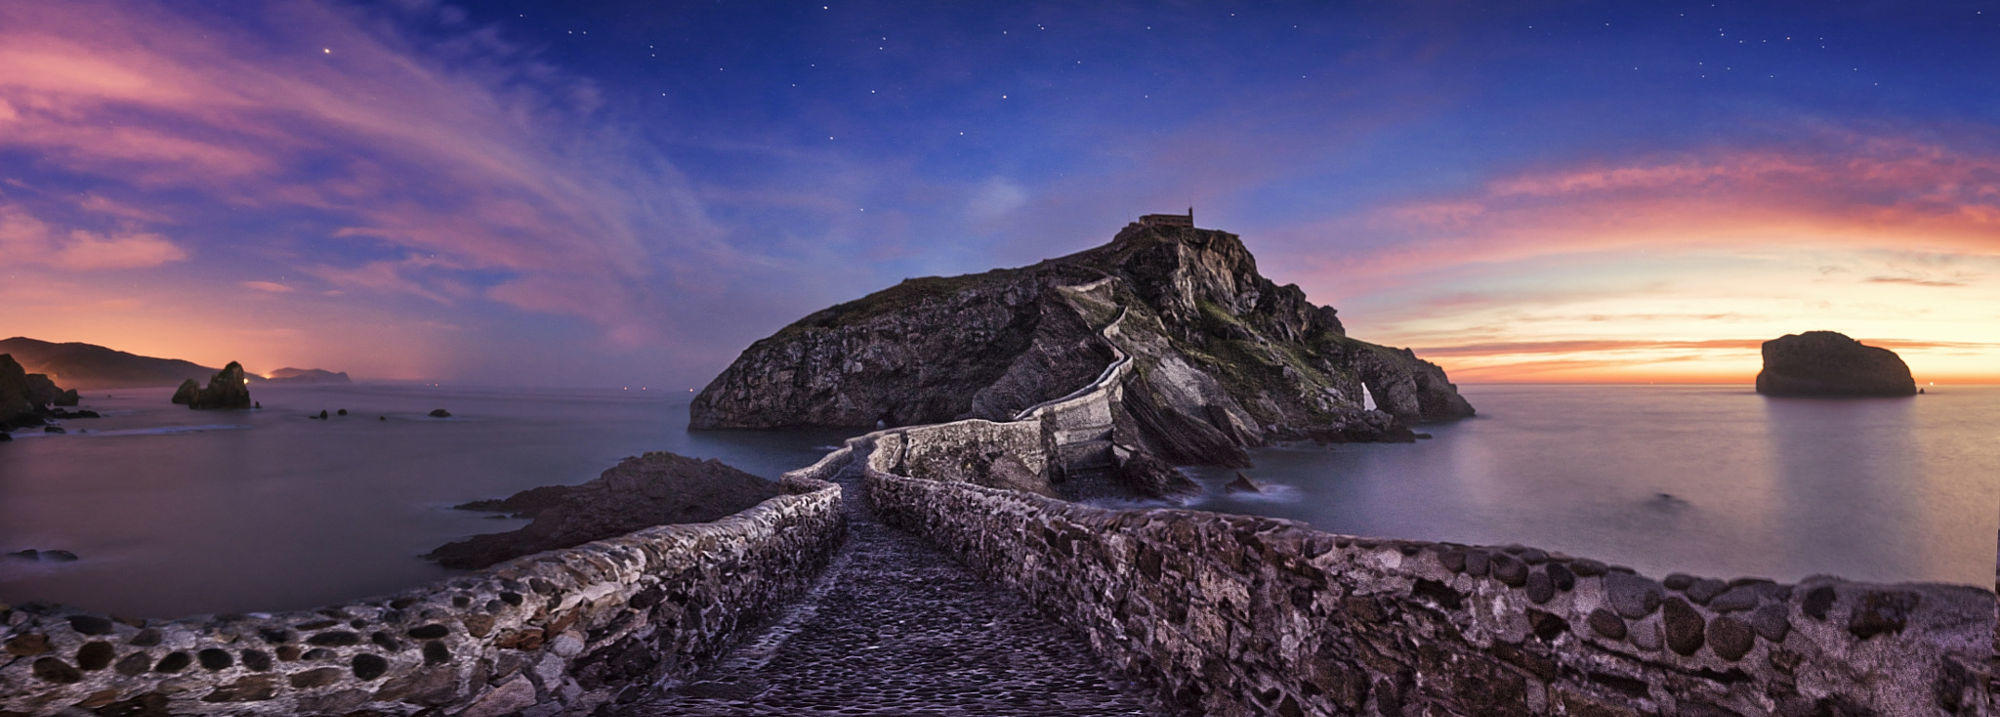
[
  {"x": 1246, "y": 615},
  {"x": 561, "y": 631}
]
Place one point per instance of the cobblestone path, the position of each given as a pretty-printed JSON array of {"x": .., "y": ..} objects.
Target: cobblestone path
[{"x": 895, "y": 627}]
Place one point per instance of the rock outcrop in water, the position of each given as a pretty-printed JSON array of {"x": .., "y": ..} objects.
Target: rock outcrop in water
[
  {"x": 1224, "y": 357},
  {"x": 25, "y": 397},
  {"x": 1825, "y": 363},
  {"x": 228, "y": 388},
  {"x": 654, "y": 489}
]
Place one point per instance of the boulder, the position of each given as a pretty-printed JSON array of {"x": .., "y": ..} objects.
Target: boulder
[
  {"x": 440, "y": 413},
  {"x": 1825, "y": 363},
  {"x": 228, "y": 388},
  {"x": 654, "y": 489},
  {"x": 1243, "y": 484},
  {"x": 68, "y": 398}
]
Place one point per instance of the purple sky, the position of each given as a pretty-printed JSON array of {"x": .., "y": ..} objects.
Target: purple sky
[{"x": 629, "y": 193}]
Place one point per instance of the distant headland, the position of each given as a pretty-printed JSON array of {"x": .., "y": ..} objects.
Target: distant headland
[{"x": 90, "y": 366}]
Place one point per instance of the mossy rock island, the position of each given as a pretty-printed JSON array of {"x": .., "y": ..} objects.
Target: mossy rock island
[{"x": 1825, "y": 363}]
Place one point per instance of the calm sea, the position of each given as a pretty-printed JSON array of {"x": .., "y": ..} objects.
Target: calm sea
[
  {"x": 178, "y": 512},
  {"x": 1709, "y": 480}
]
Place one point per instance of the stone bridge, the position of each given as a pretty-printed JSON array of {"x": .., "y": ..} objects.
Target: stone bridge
[{"x": 887, "y": 581}]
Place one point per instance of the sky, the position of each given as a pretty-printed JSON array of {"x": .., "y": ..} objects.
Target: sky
[{"x": 629, "y": 193}]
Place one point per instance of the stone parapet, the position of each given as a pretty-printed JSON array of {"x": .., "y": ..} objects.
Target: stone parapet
[
  {"x": 558, "y": 632},
  {"x": 1244, "y": 615}
]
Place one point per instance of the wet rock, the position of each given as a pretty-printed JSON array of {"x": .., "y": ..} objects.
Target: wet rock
[
  {"x": 440, "y": 413},
  {"x": 215, "y": 659},
  {"x": 1586, "y": 567},
  {"x": 1683, "y": 625},
  {"x": 341, "y": 412},
  {"x": 1730, "y": 638},
  {"x": 1242, "y": 484},
  {"x": 1632, "y": 596},
  {"x": 1678, "y": 581}
]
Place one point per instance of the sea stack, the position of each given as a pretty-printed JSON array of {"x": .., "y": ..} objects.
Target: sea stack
[
  {"x": 1825, "y": 363},
  {"x": 228, "y": 388}
]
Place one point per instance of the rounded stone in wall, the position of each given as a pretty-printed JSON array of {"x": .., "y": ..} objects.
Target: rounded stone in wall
[
  {"x": 1684, "y": 626},
  {"x": 1607, "y": 623},
  {"x": 1729, "y": 637}
]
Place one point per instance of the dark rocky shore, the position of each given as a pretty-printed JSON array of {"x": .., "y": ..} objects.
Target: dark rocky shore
[{"x": 654, "y": 489}]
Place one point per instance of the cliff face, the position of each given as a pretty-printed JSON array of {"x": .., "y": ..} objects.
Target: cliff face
[
  {"x": 1825, "y": 363},
  {"x": 1224, "y": 357}
]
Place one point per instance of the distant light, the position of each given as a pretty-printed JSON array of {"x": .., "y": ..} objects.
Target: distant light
[{"x": 326, "y": 50}]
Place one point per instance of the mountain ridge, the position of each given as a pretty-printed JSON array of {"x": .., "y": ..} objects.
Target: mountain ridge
[{"x": 90, "y": 366}]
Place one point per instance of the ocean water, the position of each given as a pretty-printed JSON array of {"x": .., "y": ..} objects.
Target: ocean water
[
  {"x": 1710, "y": 480},
  {"x": 177, "y": 512}
]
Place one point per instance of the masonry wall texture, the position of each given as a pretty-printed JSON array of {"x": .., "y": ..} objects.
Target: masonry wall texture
[
  {"x": 1245, "y": 615},
  {"x": 557, "y": 632}
]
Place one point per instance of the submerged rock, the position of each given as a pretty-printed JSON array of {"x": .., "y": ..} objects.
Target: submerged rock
[
  {"x": 54, "y": 556},
  {"x": 653, "y": 489},
  {"x": 1243, "y": 484},
  {"x": 1825, "y": 363}
]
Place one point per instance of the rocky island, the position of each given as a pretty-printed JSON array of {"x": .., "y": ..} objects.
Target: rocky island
[
  {"x": 228, "y": 388},
  {"x": 1222, "y": 357},
  {"x": 1825, "y": 363}
]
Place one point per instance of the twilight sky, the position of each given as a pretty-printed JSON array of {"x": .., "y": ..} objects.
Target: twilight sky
[{"x": 632, "y": 192}]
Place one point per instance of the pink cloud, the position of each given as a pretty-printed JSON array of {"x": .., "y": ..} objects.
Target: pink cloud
[
  {"x": 26, "y": 239},
  {"x": 463, "y": 151}
]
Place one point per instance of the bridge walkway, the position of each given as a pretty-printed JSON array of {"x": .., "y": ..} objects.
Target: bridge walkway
[{"x": 895, "y": 627}]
